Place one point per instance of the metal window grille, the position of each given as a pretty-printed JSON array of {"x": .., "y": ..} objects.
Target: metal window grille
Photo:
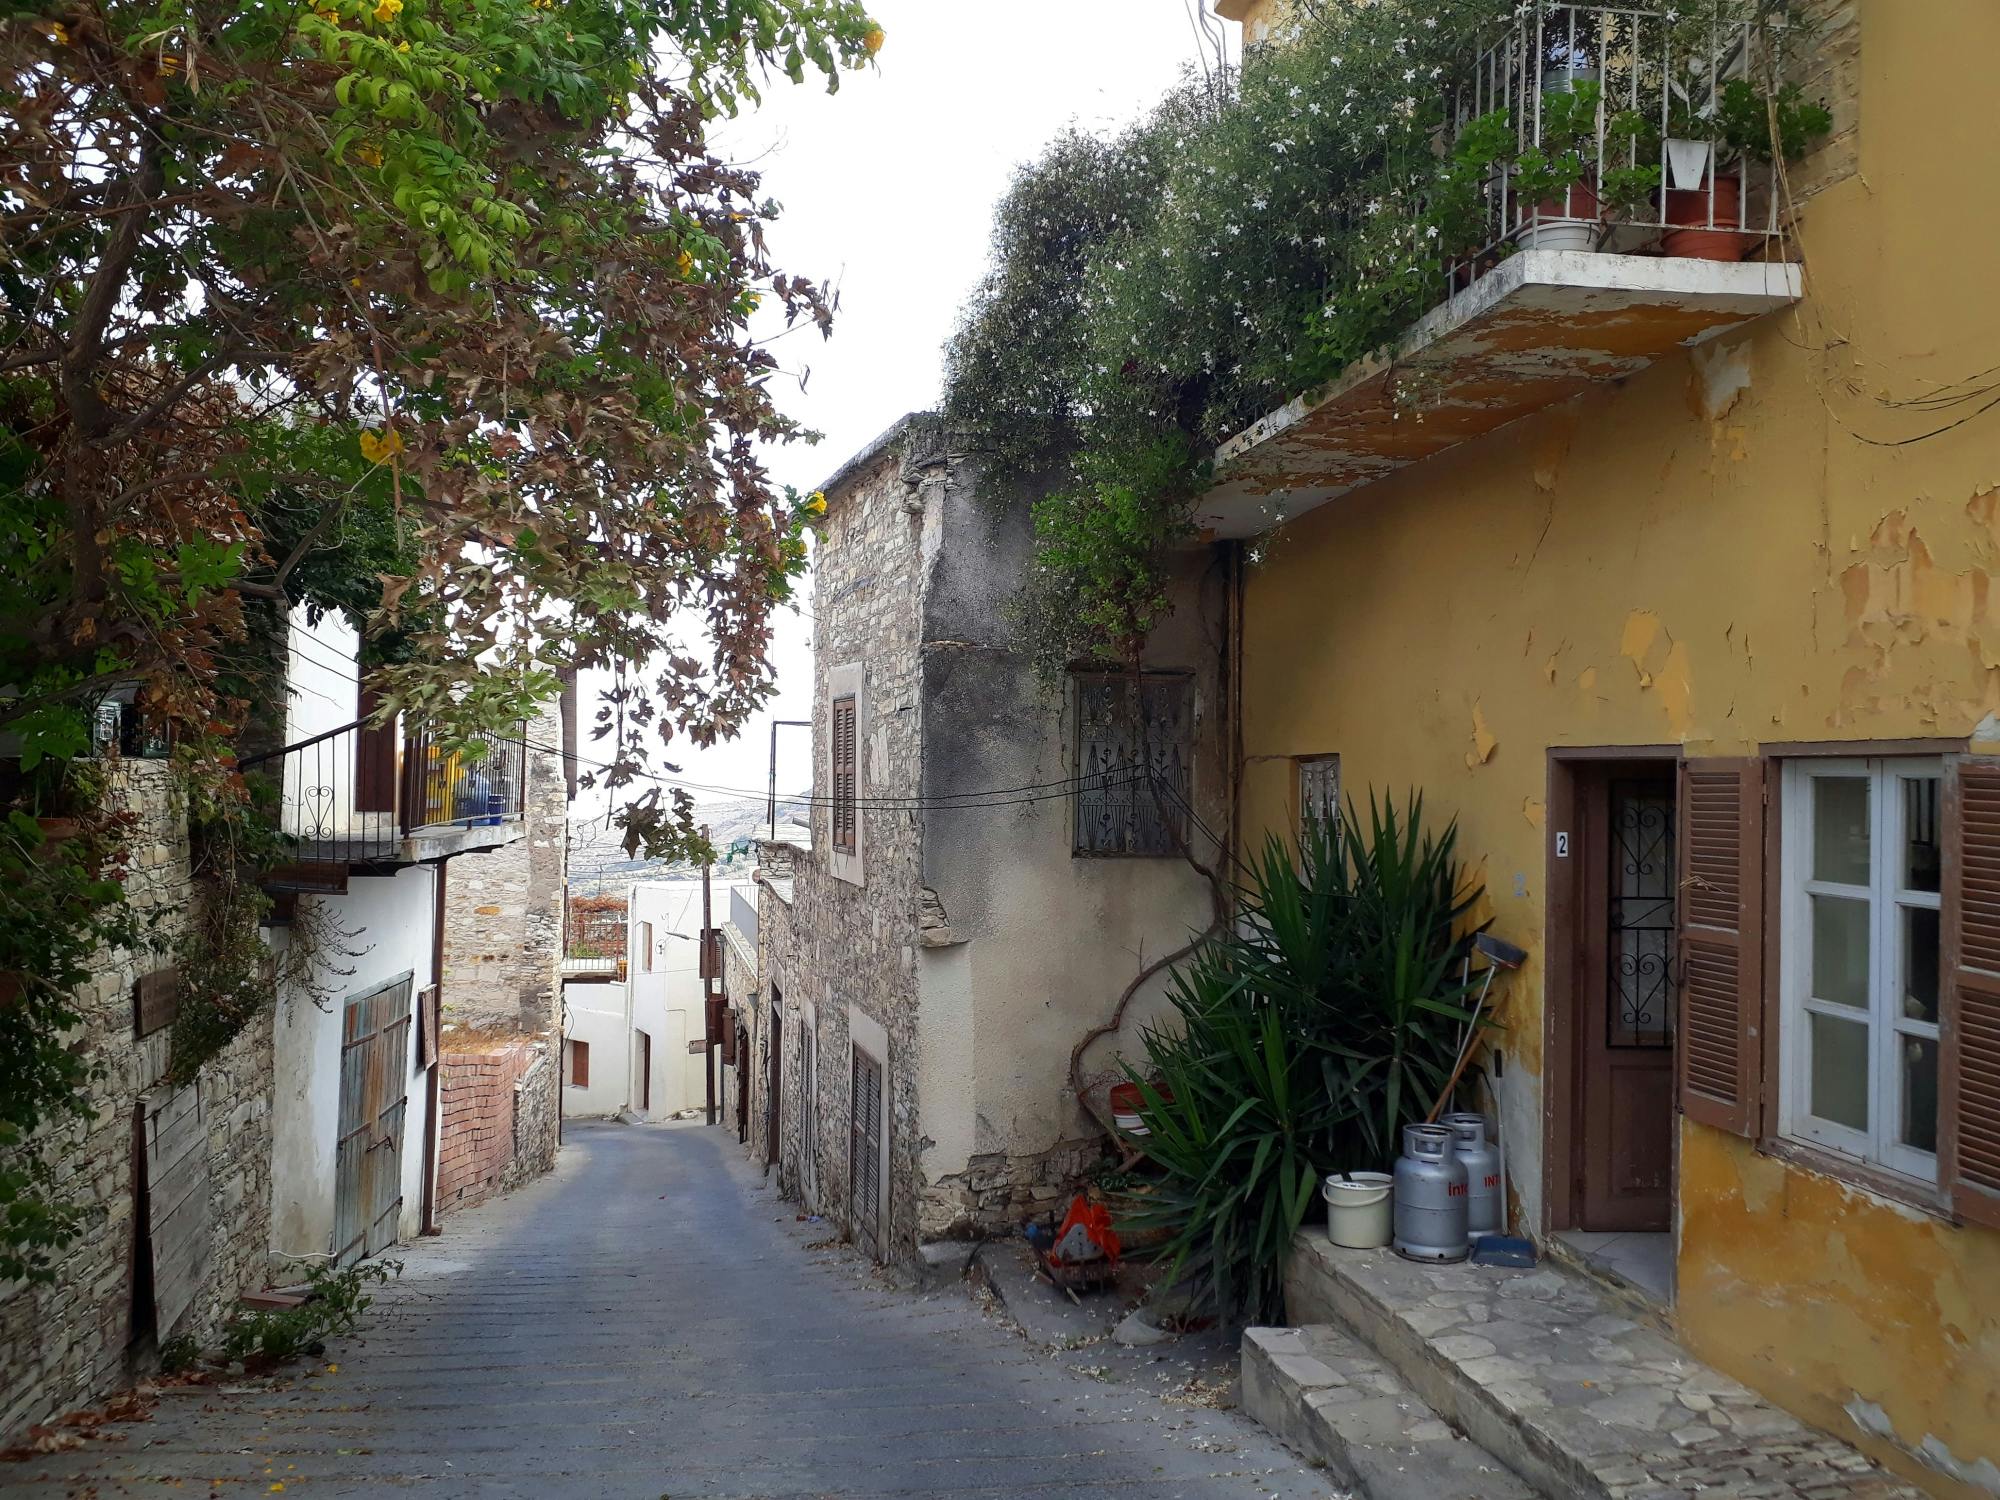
[{"x": 1134, "y": 758}]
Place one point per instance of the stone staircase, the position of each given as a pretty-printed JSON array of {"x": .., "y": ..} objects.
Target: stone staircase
[{"x": 1414, "y": 1382}]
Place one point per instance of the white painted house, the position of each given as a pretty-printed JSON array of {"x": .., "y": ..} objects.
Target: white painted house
[
  {"x": 625, "y": 1041},
  {"x": 377, "y": 817}
]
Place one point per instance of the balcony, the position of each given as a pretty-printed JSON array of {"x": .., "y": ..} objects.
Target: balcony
[
  {"x": 1615, "y": 199},
  {"x": 594, "y": 946},
  {"x": 358, "y": 799}
]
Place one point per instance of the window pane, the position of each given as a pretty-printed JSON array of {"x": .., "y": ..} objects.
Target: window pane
[
  {"x": 1921, "y": 945},
  {"x": 1923, "y": 859},
  {"x": 1840, "y": 1071},
  {"x": 1920, "y": 1090},
  {"x": 1840, "y": 951},
  {"x": 1840, "y": 829}
]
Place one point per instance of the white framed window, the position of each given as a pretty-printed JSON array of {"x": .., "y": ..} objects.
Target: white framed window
[{"x": 1862, "y": 876}]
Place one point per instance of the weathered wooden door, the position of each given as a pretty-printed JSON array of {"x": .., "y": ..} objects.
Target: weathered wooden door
[
  {"x": 368, "y": 1162},
  {"x": 1628, "y": 994},
  {"x": 174, "y": 1152},
  {"x": 865, "y": 1156}
]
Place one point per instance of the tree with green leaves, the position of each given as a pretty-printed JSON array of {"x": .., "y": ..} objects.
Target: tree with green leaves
[{"x": 432, "y": 311}]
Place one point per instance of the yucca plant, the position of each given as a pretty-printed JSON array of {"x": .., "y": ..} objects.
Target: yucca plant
[{"x": 1300, "y": 1041}]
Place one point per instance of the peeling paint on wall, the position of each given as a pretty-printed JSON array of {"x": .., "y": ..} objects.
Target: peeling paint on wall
[{"x": 1483, "y": 742}]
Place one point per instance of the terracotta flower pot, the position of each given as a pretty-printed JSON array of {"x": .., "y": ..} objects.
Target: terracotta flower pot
[
  {"x": 1128, "y": 1106},
  {"x": 1722, "y": 242}
]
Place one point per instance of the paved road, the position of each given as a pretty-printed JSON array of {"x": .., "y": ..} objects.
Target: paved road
[{"x": 650, "y": 1323}]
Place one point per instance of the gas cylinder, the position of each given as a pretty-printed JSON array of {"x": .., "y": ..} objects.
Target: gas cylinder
[
  {"x": 1430, "y": 1196},
  {"x": 1483, "y": 1211}
]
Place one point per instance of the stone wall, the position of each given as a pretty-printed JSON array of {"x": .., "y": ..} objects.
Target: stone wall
[
  {"x": 72, "y": 1343},
  {"x": 849, "y": 944},
  {"x": 497, "y": 1111},
  {"x": 503, "y": 927}
]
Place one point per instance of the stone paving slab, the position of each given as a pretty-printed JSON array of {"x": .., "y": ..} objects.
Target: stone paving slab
[
  {"x": 1321, "y": 1391},
  {"x": 1553, "y": 1375}
]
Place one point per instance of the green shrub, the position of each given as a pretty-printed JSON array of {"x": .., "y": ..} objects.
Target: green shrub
[
  {"x": 1302, "y": 1040},
  {"x": 336, "y": 1298}
]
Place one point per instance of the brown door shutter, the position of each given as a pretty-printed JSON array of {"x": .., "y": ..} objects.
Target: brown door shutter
[
  {"x": 374, "y": 759},
  {"x": 1969, "y": 1047},
  {"x": 1719, "y": 1041},
  {"x": 843, "y": 775}
]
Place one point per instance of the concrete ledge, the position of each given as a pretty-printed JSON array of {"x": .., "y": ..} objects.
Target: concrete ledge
[
  {"x": 1338, "y": 1405},
  {"x": 1548, "y": 1372}
]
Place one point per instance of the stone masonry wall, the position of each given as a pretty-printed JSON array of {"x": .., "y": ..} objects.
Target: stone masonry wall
[
  {"x": 856, "y": 945},
  {"x": 498, "y": 1121},
  {"x": 504, "y": 910},
  {"x": 74, "y": 1342}
]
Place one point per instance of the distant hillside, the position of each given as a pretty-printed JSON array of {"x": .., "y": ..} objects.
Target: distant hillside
[{"x": 597, "y": 859}]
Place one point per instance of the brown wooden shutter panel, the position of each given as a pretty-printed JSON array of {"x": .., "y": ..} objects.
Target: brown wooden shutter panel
[
  {"x": 843, "y": 775},
  {"x": 1969, "y": 1046},
  {"x": 1719, "y": 1042}
]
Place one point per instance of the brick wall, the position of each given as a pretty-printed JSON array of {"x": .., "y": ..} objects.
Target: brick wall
[
  {"x": 497, "y": 1116},
  {"x": 72, "y": 1343}
]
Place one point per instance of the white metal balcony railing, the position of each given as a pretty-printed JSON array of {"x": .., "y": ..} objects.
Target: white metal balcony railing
[{"x": 1647, "y": 107}]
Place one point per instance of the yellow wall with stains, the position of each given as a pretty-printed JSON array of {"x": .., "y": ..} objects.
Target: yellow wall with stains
[{"x": 1713, "y": 555}]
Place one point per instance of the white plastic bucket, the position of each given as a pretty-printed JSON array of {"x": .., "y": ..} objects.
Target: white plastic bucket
[{"x": 1358, "y": 1211}]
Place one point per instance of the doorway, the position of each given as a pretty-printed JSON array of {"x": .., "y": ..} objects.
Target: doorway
[
  {"x": 645, "y": 1072},
  {"x": 774, "y": 1079},
  {"x": 1613, "y": 929}
]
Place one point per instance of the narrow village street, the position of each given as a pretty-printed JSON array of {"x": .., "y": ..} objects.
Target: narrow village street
[{"x": 650, "y": 1321}]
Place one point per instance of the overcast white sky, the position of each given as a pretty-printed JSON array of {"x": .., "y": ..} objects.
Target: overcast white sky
[{"x": 888, "y": 189}]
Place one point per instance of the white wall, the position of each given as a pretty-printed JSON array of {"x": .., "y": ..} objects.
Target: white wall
[
  {"x": 666, "y": 1002},
  {"x": 598, "y": 1015},
  {"x": 322, "y": 681},
  {"x": 392, "y": 921}
]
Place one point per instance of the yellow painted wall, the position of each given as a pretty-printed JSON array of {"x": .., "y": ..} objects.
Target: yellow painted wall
[{"x": 1709, "y": 555}]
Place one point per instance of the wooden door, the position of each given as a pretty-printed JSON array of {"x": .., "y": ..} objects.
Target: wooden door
[
  {"x": 773, "y": 1085},
  {"x": 368, "y": 1160},
  {"x": 173, "y": 1133},
  {"x": 865, "y": 1153},
  {"x": 1627, "y": 998},
  {"x": 645, "y": 1071}
]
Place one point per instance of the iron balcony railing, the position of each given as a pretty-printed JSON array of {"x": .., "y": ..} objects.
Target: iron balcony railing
[
  {"x": 1618, "y": 90},
  {"x": 352, "y": 795}
]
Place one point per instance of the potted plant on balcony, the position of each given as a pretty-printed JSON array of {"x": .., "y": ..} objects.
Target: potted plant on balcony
[
  {"x": 1550, "y": 177},
  {"x": 1750, "y": 124}
]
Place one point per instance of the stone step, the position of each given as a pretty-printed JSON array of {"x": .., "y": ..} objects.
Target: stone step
[
  {"x": 1551, "y": 1374},
  {"x": 1334, "y": 1402}
]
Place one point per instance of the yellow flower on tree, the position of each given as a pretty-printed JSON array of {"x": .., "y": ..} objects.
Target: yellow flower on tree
[
  {"x": 379, "y": 449},
  {"x": 816, "y": 503},
  {"x": 371, "y": 155},
  {"x": 387, "y": 10},
  {"x": 687, "y": 264},
  {"x": 874, "y": 40}
]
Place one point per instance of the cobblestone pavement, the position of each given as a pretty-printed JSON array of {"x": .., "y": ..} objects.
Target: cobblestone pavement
[{"x": 650, "y": 1323}]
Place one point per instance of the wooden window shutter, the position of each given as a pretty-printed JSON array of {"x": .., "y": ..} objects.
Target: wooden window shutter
[
  {"x": 843, "y": 775},
  {"x": 1969, "y": 1038},
  {"x": 1719, "y": 1054}
]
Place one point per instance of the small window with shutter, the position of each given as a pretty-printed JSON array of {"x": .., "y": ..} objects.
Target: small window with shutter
[
  {"x": 843, "y": 730},
  {"x": 579, "y": 1064},
  {"x": 1862, "y": 903},
  {"x": 1134, "y": 759}
]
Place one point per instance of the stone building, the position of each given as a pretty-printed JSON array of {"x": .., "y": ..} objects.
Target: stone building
[
  {"x": 931, "y": 956},
  {"x": 96, "y": 1326}
]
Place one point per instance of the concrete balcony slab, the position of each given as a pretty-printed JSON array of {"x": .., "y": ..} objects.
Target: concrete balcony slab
[{"x": 1539, "y": 328}]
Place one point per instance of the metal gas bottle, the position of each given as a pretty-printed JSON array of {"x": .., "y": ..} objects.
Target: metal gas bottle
[
  {"x": 1430, "y": 1196},
  {"x": 1484, "y": 1213}
]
